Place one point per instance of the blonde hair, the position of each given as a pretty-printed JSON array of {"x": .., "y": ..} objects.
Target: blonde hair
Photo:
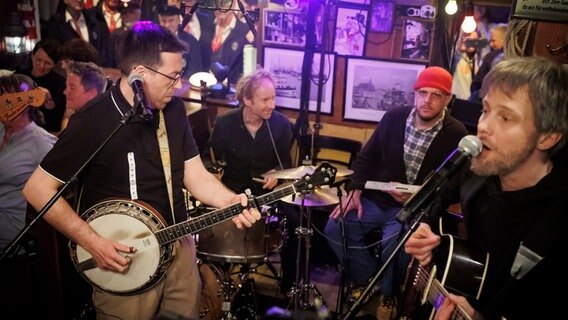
[{"x": 249, "y": 83}]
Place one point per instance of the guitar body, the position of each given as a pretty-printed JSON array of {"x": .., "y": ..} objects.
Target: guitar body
[
  {"x": 132, "y": 223},
  {"x": 458, "y": 268}
]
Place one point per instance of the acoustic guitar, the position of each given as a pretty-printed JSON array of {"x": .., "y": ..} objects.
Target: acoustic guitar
[
  {"x": 137, "y": 224},
  {"x": 458, "y": 267}
]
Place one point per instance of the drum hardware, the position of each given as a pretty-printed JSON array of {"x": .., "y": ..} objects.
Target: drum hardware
[{"x": 300, "y": 292}]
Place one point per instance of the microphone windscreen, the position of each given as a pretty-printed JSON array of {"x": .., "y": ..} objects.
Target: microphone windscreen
[
  {"x": 134, "y": 76},
  {"x": 471, "y": 144}
]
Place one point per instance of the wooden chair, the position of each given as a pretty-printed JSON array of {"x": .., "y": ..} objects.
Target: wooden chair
[{"x": 338, "y": 151}]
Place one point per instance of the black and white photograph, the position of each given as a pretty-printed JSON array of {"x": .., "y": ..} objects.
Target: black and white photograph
[
  {"x": 286, "y": 67},
  {"x": 374, "y": 86},
  {"x": 350, "y": 31},
  {"x": 416, "y": 40},
  {"x": 286, "y": 28},
  {"x": 382, "y": 16}
]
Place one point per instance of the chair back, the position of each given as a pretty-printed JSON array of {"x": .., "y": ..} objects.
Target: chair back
[
  {"x": 325, "y": 148},
  {"x": 466, "y": 112}
]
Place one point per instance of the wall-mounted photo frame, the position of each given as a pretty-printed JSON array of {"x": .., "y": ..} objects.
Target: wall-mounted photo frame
[
  {"x": 350, "y": 31},
  {"x": 417, "y": 39},
  {"x": 359, "y": 2},
  {"x": 373, "y": 87},
  {"x": 286, "y": 67},
  {"x": 382, "y": 16},
  {"x": 286, "y": 28}
]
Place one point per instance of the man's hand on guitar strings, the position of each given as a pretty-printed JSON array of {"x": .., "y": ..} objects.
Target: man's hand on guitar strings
[
  {"x": 421, "y": 243},
  {"x": 248, "y": 216},
  {"x": 447, "y": 308}
]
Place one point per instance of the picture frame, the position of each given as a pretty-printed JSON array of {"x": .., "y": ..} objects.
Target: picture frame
[
  {"x": 417, "y": 37},
  {"x": 382, "y": 16},
  {"x": 285, "y": 65},
  {"x": 358, "y": 2},
  {"x": 373, "y": 87},
  {"x": 350, "y": 31},
  {"x": 286, "y": 28}
]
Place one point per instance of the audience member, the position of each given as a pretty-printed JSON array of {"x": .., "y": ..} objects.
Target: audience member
[
  {"x": 465, "y": 68},
  {"x": 201, "y": 18},
  {"x": 496, "y": 42},
  {"x": 513, "y": 197},
  {"x": 225, "y": 42},
  {"x": 169, "y": 17},
  {"x": 72, "y": 21},
  {"x": 158, "y": 171},
  {"x": 23, "y": 145},
  {"x": 85, "y": 80},
  {"x": 108, "y": 18},
  {"x": 44, "y": 58},
  {"x": 406, "y": 147}
]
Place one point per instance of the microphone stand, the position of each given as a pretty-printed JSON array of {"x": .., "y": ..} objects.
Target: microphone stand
[
  {"x": 413, "y": 226},
  {"x": 248, "y": 19},
  {"x": 12, "y": 245},
  {"x": 343, "y": 276}
]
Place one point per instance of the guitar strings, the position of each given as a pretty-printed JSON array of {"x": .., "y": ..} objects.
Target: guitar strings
[{"x": 423, "y": 278}]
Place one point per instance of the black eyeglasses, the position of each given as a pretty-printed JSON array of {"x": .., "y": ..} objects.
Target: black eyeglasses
[
  {"x": 435, "y": 95},
  {"x": 174, "y": 79}
]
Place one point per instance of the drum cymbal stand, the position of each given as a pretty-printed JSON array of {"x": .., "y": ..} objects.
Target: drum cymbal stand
[{"x": 300, "y": 293}]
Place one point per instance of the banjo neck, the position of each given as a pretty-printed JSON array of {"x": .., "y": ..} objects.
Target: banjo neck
[{"x": 176, "y": 231}]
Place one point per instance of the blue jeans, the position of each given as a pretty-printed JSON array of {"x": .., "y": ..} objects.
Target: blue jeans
[{"x": 362, "y": 265}]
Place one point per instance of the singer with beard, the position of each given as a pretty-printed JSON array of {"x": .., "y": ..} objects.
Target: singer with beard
[
  {"x": 514, "y": 195},
  {"x": 407, "y": 145},
  {"x": 134, "y": 165}
]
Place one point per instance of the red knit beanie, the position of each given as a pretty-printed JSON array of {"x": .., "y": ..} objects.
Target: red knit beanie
[{"x": 435, "y": 77}]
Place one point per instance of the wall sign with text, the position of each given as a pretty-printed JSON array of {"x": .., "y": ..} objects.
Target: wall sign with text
[{"x": 548, "y": 10}]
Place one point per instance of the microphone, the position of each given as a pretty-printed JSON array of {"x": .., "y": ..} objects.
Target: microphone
[
  {"x": 248, "y": 19},
  {"x": 468, "y": 147},
  {"x": 187, "y": 17},
  {"x": 136, "y": 81}
]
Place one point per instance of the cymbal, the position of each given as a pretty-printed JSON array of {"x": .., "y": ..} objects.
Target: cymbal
[
  {"x": 300, "y": 172},
  {"x": 318, "y": 197}
]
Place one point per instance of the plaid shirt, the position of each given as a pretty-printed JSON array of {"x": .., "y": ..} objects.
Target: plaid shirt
[{"x": 416, "y": 143}]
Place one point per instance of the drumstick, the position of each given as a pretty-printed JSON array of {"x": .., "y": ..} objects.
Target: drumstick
[{"x": 259, "y": 180}]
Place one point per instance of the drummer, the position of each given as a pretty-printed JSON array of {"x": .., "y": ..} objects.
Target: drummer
[
  {"x": 252, "y": 140},
  {"x": 408, "y": 144}
]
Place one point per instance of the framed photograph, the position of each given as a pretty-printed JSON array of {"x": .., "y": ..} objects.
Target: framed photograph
[
  {"x": 286, "y": 67},
  {"x": 361, "y": 2},
  {"x": 416, "y": 39},
  {"x": 286, "y": 28},
  {"x": 382, "y": 16},
  {"x": 350, "y": 31},
  {"x": 373, "y": 87}
]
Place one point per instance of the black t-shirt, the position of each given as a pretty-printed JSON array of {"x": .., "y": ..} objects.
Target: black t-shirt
[{"x": 130, "y": 163}]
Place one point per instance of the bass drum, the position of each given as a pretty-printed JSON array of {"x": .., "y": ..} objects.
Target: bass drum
[{"x": 212, "y": 279}]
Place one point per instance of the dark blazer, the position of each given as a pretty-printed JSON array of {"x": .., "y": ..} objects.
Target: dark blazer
[
  {"x": 193, "y": 59},
  {"x": 231, "y": 51},
  {"x": 105, "y": 51},
  {"x": 59, "y": 29}
]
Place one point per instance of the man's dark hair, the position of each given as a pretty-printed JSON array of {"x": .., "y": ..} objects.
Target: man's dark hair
[{"x": 142, "y": 45}]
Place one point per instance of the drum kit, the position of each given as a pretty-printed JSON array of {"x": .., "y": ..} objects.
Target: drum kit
[{"x": 225, "y": 296}]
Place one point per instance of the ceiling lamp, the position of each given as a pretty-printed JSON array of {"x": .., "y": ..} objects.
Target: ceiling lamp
[{"x": 451, "y": 7}]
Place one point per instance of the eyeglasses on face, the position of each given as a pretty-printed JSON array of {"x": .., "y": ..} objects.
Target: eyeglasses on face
[
  {"x": 434, "y": 95},
  {"x": 173, "y": 79}
]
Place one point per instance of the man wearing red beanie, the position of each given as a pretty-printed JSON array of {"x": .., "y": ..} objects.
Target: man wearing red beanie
[{"x": 408, "y": 144}]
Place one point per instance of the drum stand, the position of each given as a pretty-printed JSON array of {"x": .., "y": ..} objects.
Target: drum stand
[{"x": 300, "y": 293}]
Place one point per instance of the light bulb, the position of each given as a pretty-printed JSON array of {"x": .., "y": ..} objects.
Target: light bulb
[
  {"x": 468, "y": 24},
  {"x": 451, "y": 7}
]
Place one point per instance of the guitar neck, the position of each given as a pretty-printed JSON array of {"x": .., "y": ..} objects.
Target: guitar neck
[
  {"x": 436, "y": 296},
  {"x": 174, "y": 232}
]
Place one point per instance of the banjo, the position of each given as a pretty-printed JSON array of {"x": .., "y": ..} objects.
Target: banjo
[{"x": 135, "y": 223}]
